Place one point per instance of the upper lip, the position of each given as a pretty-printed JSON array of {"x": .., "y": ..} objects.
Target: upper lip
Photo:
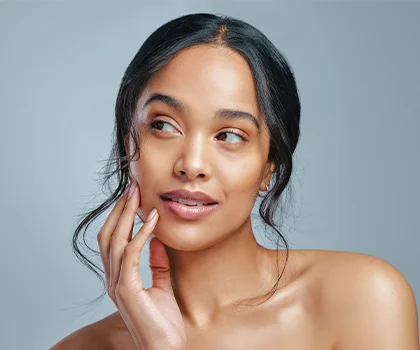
[{"x": 188, "y": 195}]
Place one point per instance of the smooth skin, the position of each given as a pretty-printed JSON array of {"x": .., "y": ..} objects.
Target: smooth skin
[{"x": 203, "y": 269}]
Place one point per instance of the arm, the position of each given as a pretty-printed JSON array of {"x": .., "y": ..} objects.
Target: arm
[{"x": 379, "y": 311}]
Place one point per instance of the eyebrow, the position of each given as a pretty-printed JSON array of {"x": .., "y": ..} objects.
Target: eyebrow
[{"x": 220, "y": 114}]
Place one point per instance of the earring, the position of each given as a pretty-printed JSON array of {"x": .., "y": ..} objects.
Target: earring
[{"x": 266, "y": 189}]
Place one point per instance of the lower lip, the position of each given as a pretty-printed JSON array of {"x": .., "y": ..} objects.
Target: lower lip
[{"x": 188, "y": 211}]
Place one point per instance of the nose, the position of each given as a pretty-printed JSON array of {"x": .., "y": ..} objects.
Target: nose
[{"x": 193, "y": 160}]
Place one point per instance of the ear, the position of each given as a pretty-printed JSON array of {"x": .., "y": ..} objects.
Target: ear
[{"x": 268, "y": 171}]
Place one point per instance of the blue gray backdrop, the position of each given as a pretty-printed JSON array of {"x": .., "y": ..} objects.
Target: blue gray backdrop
[{"x": 357, "y": 163}]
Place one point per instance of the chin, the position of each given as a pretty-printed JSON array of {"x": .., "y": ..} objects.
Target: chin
[{"x": 184, "y": 236}]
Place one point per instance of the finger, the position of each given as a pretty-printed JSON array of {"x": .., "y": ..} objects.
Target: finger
[
  {"x": 159, "y": 264},
  {"x": 121, "y": 237},
  {"x": 105, "y": 233},
  {"x": 132, "y": 253}
]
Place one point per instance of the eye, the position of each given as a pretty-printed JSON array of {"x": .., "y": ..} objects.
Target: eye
[
  {"x": 232, "y": 137},
  {"x": 159, "y": 124}
]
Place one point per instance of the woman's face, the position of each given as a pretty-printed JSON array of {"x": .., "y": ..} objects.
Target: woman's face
[{"x": 187, "y": 144}]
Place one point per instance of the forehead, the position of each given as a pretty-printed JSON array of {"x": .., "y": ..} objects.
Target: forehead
[{"x": 204, "y": 76}]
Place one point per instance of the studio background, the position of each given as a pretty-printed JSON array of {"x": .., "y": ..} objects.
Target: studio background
[{"x": 357, "y": 167}]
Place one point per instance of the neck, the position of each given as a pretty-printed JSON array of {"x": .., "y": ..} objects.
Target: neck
[{"x": 208, "y": 281}]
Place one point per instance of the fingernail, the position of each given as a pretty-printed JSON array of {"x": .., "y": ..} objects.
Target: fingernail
[
  {"x": 132, "y": 188},
  {"x": 152, "y": 214}
]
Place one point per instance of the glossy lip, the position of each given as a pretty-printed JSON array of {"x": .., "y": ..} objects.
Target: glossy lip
[
  {"x": 188, "y": 195},
  {"x": 188, "y": 211}
]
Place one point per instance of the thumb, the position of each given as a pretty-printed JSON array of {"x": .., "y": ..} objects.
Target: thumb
[{"x": 159, "y": 264}]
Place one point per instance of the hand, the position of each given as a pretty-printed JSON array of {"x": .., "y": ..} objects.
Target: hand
[{"x": 152, "y": 315}]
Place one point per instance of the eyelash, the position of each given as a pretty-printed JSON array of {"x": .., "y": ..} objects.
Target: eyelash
[{"x": 153, "y": 123}]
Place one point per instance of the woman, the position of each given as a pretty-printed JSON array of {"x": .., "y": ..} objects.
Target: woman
[{"x": 207, "y": 120}]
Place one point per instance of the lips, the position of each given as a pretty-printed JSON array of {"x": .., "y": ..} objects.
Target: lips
[
  {"x": 189, "y": 212},
  {"x": 189, "y": 198},
  {"x": 189, "y": 205}
]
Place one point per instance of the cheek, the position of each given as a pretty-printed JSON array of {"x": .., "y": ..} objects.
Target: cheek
[
  {"x": 152, "y": 164},
  {"x": 241, "y": 178},
  {"x": 241, "y": 182},
  {"x": 148, "y": 171}
]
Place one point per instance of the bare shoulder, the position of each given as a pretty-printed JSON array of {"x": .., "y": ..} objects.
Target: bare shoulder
[
  {"x": 360, "y": 277},
  {"x": 368, "y": 301},
  {"x": 91, "y": 337}
]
